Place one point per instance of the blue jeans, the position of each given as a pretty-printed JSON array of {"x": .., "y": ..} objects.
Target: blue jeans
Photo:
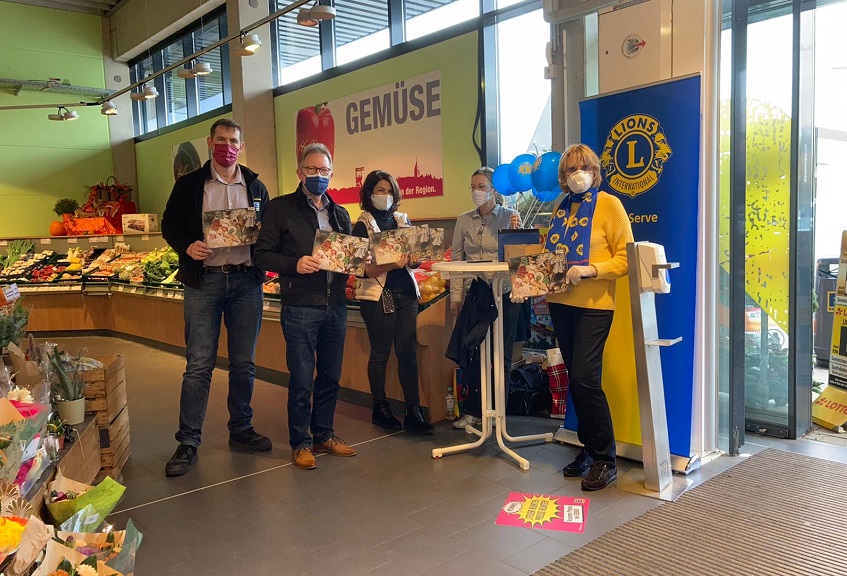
[
  {"x": 238, "y": 298},
  {"x": 313, "y": 333}
]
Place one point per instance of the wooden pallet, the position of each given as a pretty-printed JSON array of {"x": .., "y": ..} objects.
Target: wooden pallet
[{"x": 114, "y": 441}]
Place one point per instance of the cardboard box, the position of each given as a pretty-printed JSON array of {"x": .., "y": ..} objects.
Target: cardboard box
[{"x": 140, "y": 223}]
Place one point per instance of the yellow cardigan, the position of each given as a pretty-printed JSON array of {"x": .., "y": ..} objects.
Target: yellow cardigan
[{"x": 610, "y": 233}]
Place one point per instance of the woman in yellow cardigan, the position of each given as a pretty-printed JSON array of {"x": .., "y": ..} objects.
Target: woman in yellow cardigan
[{"x": 592, "y": 229}]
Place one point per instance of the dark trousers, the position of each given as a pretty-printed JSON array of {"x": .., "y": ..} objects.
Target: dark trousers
[
  {"x": 582, "y": 333},
  {"x": 473, "y": 403},
  {"x": 398, "y": 329},
  {"x": 314, "y": 335},
  {"x": 237, "y": 297}
]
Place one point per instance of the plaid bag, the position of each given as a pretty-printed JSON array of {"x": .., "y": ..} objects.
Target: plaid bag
[{"x": 557, "y": 374}]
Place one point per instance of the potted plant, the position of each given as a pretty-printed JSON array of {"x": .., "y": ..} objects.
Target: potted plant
[
  {"x": 65, "y": 206},
  {"x": 67, "y": 389},
  {"x": 59, "y": 428}
]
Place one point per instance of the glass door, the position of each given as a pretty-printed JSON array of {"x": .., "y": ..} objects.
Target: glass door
[{"x": 765, "y": 231}]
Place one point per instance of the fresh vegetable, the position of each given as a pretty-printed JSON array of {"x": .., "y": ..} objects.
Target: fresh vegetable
[
  {"x": 15, "y": 250},
  {"x": 159, "y": 264}
]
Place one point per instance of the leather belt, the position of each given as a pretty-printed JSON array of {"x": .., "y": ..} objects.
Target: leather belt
[{"x": 228, "y": 268}]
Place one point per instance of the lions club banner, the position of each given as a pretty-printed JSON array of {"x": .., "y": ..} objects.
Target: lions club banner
[
  {"x": 395, "y": 128},
  {"x": 648, "y": 140}
]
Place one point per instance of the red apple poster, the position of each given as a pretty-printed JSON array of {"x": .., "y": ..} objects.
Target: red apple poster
[
  {"x": 546, "y": 512},
  {"x": 395, "y": 128}
]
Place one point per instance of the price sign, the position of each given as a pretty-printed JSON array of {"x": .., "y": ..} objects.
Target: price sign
[
  {"x": 119, "y": 238},
  {"x": 72, "y": 240},
  {"x": 4, "y": 242},
  {"x": 46, "y": 241},
  {"x": 145, "y": 238}
]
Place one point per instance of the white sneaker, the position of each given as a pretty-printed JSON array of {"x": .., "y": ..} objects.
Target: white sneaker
[{"x": 466, "y": 420}]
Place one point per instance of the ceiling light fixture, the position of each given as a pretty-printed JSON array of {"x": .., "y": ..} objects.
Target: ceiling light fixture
[
  {"x": 146, "y": 93},
  {"x": 108, "y": 109},
  {"x": 312, "y": 16},
  {"x": 202, "y": 69},
  {"x": 304, "y": 18},
  {"x": 63, "y": 114},
  {"x": 186, "y": 72},
  {"x": 249, "y": 44}
]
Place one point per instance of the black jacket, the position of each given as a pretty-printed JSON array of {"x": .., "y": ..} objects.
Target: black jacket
[
  {"x": 478, "y": 313},
  {"x": 182, "y": 222},
  {"x": 288, "y": 234}
]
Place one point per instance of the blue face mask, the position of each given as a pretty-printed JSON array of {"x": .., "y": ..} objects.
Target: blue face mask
[{"x": 317, "y": 184}]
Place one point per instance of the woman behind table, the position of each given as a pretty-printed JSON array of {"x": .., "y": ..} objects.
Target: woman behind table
[
  {"x": 475, "y": 238},
  {"x": 592, "y": 228},
  {"x": 379, "y": 199}
]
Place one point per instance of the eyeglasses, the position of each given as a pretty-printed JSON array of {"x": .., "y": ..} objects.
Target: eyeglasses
[
  {"x": 479, "y": 188},
  {"x": 312, "y": 170}
]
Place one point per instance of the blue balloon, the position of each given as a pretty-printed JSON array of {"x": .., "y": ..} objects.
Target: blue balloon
[
  {"x": 545, "y": 171},
  {"x": 520, "y": 172},
  {"x": 546, "y": 195},
  {"x": 500, "y": 180}
]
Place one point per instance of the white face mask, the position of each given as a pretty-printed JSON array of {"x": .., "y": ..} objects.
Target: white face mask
[
  {"x": 480, "y": 197},
  {"x": 382, "y": 201},
  {"x": 580, "y": 181}
]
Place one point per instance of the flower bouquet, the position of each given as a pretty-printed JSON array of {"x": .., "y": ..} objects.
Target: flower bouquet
[
  {"x": 14, "y": 512},
  {"x": 116, "y": 548},
  {"x": 59, "y": 560},
  {"x": 340, "y": 252},
  {"x": 66, "y": 497}
]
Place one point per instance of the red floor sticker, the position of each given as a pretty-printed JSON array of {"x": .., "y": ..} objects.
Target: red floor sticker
[{"x": 545, "y": 512}]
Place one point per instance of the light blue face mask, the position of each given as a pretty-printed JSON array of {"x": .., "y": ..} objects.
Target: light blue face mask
[{"x": 317, "y": 185}]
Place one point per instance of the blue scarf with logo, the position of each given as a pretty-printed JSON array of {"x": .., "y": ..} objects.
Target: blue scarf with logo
[{"x": 572, "y": 232}]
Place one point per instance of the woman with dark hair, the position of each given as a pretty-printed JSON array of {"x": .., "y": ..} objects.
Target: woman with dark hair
[
  {"x": 592, "y": 229},
  {"x": 389, "y": 306},
  {"x": 475, "y": 238}
]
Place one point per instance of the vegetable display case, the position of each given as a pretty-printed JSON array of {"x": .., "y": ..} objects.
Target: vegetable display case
[{"x": 154, "y": 313}]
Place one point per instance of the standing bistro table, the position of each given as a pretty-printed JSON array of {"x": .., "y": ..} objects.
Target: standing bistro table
[{"x": 492, "y": 418}]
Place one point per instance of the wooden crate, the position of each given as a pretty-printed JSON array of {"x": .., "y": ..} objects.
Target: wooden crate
[
  {"x": 105, "y": 389},
  {"x": 114, "y": 441},
  {"x": 107, "y": 408}
]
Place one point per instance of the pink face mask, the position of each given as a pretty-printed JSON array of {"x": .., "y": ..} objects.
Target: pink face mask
[{"x": 225, "y": 155}]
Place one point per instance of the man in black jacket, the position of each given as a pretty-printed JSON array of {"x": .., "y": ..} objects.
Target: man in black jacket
[
  {"x": 314, "y": 307},
  {"x": 218, "y": 282}
]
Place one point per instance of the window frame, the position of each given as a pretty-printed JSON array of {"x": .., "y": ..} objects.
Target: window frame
[{"x": 156, "y": 55}]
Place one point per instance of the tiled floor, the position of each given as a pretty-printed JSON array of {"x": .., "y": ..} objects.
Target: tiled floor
[{"x": 392, "y": 510}]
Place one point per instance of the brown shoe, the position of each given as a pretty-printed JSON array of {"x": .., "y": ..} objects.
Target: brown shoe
[
  {"x": 336, "y": 447},
  {"x": 304, "y": 459}
]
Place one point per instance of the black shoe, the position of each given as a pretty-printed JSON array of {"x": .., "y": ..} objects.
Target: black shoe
[
  {"x": 383, "y": 417},
  {"x": 250, "y": 440},
  {"x": 578, "y": 467},
  {"x": 599, "y": 476},
  {"x": 416, "y": 423},
  {"x": 181, "y": 461}
]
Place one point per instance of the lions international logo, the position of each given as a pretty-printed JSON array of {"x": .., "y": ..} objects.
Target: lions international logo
[{"x": 635, "y": 154}]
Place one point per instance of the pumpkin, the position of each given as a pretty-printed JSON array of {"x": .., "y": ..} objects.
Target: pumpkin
[{"x": 57, "y": 228}]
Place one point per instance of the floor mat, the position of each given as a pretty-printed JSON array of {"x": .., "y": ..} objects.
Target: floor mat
[{"x": 775, "y": 513}]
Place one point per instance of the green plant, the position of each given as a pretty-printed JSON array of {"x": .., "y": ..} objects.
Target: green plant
[
  {"x": 69, "y": 383},
  {"x": 13, "y": 325},
  {"x": 57, "y": 426},
  {"x": 65, "y": 206}
]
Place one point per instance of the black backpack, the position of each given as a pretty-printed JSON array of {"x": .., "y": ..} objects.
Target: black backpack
[{"x": 529, "y": 391}]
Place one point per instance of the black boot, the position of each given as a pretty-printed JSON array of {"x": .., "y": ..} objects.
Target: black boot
[
  {"x": 383, "y": 417},
  {"x": 415, "y": 421}
]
